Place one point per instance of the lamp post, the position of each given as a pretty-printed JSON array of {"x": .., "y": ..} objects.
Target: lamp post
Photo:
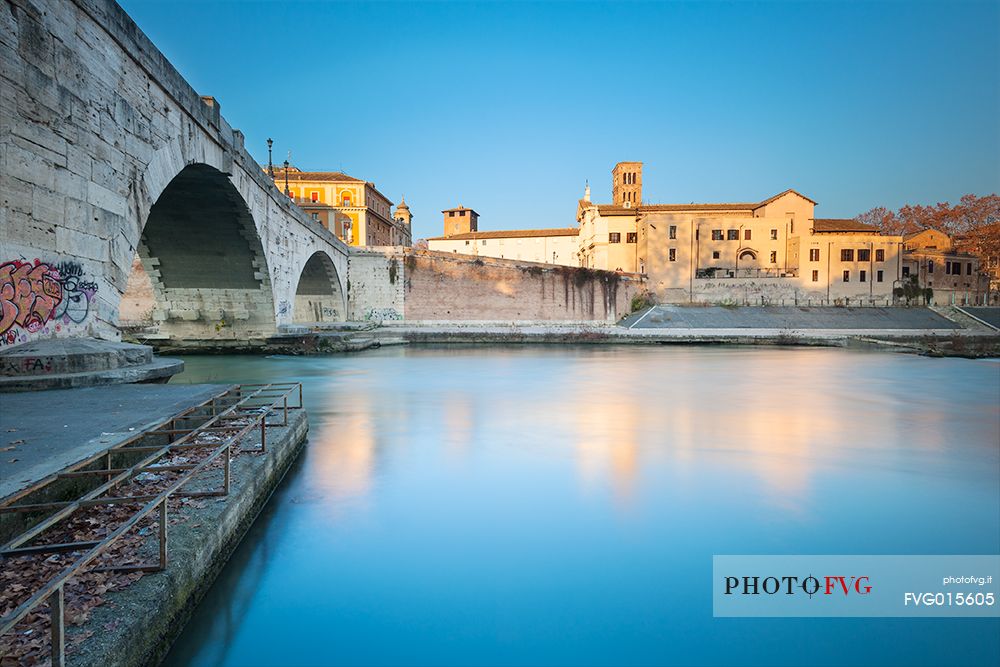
[
  {"x": 288, "y": 193},
  {"x": 270, "y": 165}
]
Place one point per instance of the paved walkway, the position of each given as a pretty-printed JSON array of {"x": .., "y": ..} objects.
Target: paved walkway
[
  {"x": 787, "y": 317},
  {"x": 43, "y": 432}
]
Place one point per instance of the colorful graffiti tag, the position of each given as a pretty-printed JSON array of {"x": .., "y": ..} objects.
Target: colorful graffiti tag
[{"x": 32, "y": 295}]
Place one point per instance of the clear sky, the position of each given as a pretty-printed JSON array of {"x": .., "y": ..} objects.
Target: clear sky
[{"x": 509, "y": 107}]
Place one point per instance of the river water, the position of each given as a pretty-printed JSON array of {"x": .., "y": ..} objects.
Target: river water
[{"x": 561, "y": 506}]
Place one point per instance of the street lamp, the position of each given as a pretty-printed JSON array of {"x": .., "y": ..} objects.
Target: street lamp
[
  {"x": 288, "y": 193},
  {"x": 270, "y": 165}
]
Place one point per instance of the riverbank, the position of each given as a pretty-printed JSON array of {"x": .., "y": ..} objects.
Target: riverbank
[
  {"x": 129, "y": 617},
  {"x": 140, "y": 622},
  {"x": 934, "y": 332}
]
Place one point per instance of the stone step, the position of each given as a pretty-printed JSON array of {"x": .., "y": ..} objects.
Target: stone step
[
  {"x": 158, "y": 370},
  {"x": 74, "y": 355}
]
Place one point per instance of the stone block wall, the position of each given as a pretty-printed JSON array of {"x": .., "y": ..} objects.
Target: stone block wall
[
  {"x": 375, "y": 280},
  {"x": 449, "y": 287}
]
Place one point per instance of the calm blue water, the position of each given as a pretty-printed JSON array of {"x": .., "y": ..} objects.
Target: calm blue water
[{"x": 554, "y": 506}]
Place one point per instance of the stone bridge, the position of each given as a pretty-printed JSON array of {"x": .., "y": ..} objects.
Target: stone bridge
[{"x": 108, "y": 155}]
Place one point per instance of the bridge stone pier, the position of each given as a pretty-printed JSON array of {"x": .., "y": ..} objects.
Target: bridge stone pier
[{"x": 107, "y": 154}]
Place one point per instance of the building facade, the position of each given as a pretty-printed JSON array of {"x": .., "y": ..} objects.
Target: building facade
[
  {"x": 550, "y": 246},
  {"x": 954, "y": 277},
  {"x": 460, "y": 220},
  {"x": 749, "y": 252},
  {"x": 351, "y": 208}
]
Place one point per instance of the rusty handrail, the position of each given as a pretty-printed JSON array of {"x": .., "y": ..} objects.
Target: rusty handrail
[{"x": 260, "y": 401}]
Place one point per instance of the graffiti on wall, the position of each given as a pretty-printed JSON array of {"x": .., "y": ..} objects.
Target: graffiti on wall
[
  {"x": 380, "y": 314},
  {"x": 37, "y": 295}
]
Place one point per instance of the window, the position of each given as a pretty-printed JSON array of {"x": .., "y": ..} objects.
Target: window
[
  {"x": 716, "y": 234},
  {"x": 672, "y": 232},
  {"x": 631, "y": 237},
  {"x": 615, "y": 237},
  {"x": 774, "y": 257},
  {"x": 815, "y": 276},
  {"x": 461, "y": 214},
  {"x": 880, "y": 255},
  {"x": 878, "y": 276},
  {"x": 451, "y": 214},
  {"x": 813, "y": 254},
  {"x": 774, "y": 234},
  {"x": 906, "y": 272},
  {"x": 347, "y": 200},
  {"x": 715, "y": 254},
  {"x": 846, "y": 256},
  {"x": 847, "y": 276},
  {"x": 930, "y": 266},
  {"x": 672, "y": 255},
  {"x": 315, "y": 216},
  {"x": 746, "y": 234},
  {"x": 314, "y": 196},
  {"x": 466, "y": 243},
  {"x": 733, "y": 234},
  {"x": 484, "y": 242},
  {"x": 863, "y": 277},
  {"x": 968, "y": 268},
  {"x": 864, "y": 255}
]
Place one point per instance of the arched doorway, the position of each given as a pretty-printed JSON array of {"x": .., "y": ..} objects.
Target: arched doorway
[
  {"x": 201, "y": 270},
  {"x": 318, "y": 297}
]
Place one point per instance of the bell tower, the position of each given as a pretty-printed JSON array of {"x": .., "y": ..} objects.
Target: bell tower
[
  {"x": 402, "y": 214},
  {"x": 626, "y": 184}
]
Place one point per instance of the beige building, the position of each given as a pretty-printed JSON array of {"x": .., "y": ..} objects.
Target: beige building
[
  {"x": 462, "y": 236},
  {"x": 749, "y": 252},
  {"x": 954, "y": 277},
  {"x": 551, "y": 246},
  {"x": 351, "y": 208}
]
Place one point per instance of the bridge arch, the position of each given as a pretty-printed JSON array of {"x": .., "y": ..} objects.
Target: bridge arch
[
  {"x": 319, "y": 296},
  {"x": 204, "y": 265}
]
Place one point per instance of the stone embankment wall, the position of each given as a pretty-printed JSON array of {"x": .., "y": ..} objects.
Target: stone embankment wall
[
  {"x": 396, "y": 284},
  {"x": 765, "y": 291}
]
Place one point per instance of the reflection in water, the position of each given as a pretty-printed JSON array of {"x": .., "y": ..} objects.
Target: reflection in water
[
  {"x": 562, "y": 505},
  {"x": 344, "y": 452}
]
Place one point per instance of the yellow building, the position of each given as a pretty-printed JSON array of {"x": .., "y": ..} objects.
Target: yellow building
[{"x": 351, "y": 208}]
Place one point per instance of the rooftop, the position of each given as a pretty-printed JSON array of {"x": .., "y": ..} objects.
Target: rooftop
[
  {"x": 459, "y": 208},
  {"x": 610, "y": 209},
  {"x": 298, "y": 175},
  {"x": 842, "y": 225}
]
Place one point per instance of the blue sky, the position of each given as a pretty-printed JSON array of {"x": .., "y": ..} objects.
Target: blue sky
[{"x": 509, "y": 107}]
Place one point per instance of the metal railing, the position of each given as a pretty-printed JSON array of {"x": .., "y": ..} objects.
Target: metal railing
[{"x": 220, "y": 423}]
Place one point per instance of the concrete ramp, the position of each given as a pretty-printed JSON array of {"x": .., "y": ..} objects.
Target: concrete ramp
[{"x": 786, "y": 317}]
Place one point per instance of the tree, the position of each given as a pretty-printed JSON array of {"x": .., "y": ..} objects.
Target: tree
[
  {"x": 971, "y": 213},
  {"x": 911, "y": 290}
]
